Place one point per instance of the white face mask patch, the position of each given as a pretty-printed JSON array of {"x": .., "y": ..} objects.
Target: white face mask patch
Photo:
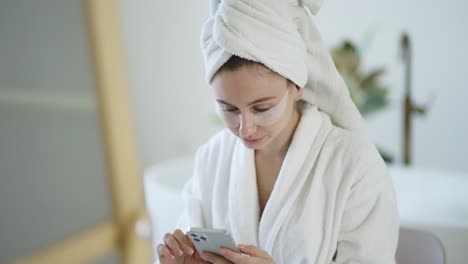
[{"x": 232, "y": 119}]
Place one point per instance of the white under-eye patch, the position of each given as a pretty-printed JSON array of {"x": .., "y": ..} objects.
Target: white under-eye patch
[{"x": 267, "y": 118}]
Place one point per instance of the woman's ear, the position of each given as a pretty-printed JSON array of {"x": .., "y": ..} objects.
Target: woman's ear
[{"x": 299, "y": 93}]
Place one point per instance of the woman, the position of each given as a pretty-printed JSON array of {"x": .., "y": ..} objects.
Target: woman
[{"x": 295, "y": 177}]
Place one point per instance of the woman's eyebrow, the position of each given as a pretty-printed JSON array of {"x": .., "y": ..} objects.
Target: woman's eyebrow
[
  {"x": 262, "y": 100},
  {"x": 223, "y": 102},
  {"x": 254, "y": 102}
]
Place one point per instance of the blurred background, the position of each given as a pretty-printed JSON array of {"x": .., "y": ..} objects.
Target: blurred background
[{"x": 52, "y": 177}]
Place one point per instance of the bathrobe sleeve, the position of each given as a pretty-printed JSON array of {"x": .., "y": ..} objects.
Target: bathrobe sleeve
[
  {"x": 370, "y": 222},
  {"x": 193, "y": 211}
]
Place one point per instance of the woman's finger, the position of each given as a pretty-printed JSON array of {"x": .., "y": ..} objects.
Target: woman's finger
[
  {"x": 173, "y": 245},
  {"x": 233, "y": 256},
  {"x": 184, "y": 243},
  {"x": 164, "y": 252},
  {"x": 215, "y": 259},
  {"x": 253, "y": 251},
  {"x": 189, "y": 241},
  {"x": 196, "y": 254}
]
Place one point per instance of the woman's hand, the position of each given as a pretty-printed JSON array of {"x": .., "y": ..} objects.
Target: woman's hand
[
  {"x": 250, "y": 255},
  {"x": 178, "y": 249}
]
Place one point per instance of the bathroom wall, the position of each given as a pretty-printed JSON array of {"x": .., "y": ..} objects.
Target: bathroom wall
[{"x": 172, "y": 103}]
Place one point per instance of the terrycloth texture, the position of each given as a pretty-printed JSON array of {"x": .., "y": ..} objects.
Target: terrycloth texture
[
  {"x": 333, "y": 194},
  {"x": 281, "y": 35}
]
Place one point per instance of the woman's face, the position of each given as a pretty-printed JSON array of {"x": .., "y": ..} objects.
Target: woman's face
[{"x": 255, "y": 103}]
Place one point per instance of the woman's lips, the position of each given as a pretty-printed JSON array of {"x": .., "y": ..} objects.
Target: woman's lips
[{"x": 252, "y": 141}]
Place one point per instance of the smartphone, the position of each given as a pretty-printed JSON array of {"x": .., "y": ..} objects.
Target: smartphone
[{"x": 210, "y": 240}]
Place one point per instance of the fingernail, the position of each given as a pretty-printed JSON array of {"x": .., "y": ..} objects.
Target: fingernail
[
  {"x": 241, "y": 246},
  {"x": 180, "y": 252},
  {"x": 191, "y": 251}
]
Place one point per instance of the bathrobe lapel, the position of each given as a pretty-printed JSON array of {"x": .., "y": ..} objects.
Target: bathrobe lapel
[
  {"x": 243, "y": 211},
  {"x": 296, "y": 167}
]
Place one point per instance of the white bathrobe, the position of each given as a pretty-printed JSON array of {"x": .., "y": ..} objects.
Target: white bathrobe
[{"x": 332, "y": 194}]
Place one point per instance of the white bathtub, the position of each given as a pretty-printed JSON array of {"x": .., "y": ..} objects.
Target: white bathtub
[{"x": 427, "y": 200}]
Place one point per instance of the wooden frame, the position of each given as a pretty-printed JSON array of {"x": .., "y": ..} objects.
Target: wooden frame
[{"x": 122, "y": 165}]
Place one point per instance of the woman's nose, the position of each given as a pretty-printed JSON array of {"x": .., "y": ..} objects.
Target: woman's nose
[{"x": 247, "y": 125}]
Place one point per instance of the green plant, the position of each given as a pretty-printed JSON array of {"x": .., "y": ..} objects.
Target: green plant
[{"x": 366, "y": 90}]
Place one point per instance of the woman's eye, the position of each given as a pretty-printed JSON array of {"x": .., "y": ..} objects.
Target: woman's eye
[
  {"x": 262, "y": 109},
  {"x": 230, "y": 109}
]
